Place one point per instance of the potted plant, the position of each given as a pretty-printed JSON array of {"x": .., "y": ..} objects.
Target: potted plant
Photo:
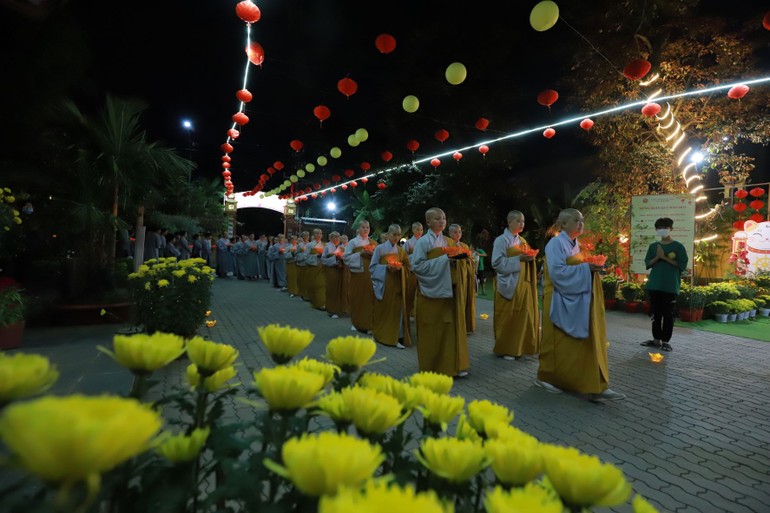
[
  {"x": 690, "y": 302},
  {"x": 720, "y": 309},
  {"x": 610, "y": 289},
  {"x": 763, "y": 305},
  {"x": 632, "y": 292},
  {"x": 11, "y": 314},
  {"x": 733, "y": 307}
]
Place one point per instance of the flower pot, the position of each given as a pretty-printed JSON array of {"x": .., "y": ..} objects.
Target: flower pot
[
  {"x": 752, "y": 313},
  {"x": 731, "y": 317},
  {"x": 764, "y": 312},
  {"x": 11, "y": 335},
  {"x": 633, "y": 306},
  {"x": 720, "y": 317},
  {"x": 646, "y": 307},
  {"x": 610, "y": 304}
]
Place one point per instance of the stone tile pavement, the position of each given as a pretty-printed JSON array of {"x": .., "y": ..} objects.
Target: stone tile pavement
[{"x": 693, "y": 434}]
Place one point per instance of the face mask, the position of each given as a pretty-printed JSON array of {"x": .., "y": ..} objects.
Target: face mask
[{"x": 663, "y": 232}]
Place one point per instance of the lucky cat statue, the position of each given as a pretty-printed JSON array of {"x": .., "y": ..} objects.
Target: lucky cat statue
[{"x": 755, "y": 239}]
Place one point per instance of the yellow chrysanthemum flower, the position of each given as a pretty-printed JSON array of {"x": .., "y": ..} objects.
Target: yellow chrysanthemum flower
[
  {"x": 465, "y": 431},
  {"x": 530, "y": 499},
  {"x": 24, "y": 375},
  {"x": 182, "y": 448},
  {"x": 74, "y": 438},
  {"x": 284, "y": 342},
  {"x": 582, "y": 480},
  {"x": 439, "y": 409},
  {"x": 501, "y": 431},
  {"x": 210, "y": 356},
  {"x": 143, "y": 268},
  {"x": 350, "y": 353},
  {"x": 335, "y": 407},
  {"x": 213, "y": 383},
  {"x": 378, "y": 496},
  {"x": 515, "y": 462},
  {"x": 178, "y": 273},
  {"x": 192, "y": 279},
  {"x": 145, "y": 353},
  {"x": 641, "y": 505},
  {"x": 372, "y": 412},
  {"x": 455, "y": 460},
  {"x": 327, "y": 370},
  {"x": 483, "y": 412},
  {"x": 439, "y": 383},
  {"x": 288, "y": 388},
  {"x": 323, "y": 463},
  {"x": 405, "y": 393},
  {"x": 163, "y": 283},
  {"x": 147, "y": 286}
]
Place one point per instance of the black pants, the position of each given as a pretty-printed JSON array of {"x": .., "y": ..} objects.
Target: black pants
[{"x": 662, "y": 314}]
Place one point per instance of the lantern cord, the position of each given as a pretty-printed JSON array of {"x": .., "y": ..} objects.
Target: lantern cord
[{"x": 591, "y": 45}]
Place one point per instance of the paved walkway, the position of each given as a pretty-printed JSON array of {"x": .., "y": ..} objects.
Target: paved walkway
[{"x": 692, "y": 436}]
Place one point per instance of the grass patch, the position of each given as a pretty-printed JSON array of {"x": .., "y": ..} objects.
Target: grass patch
[{"x": 757, "y": 329}]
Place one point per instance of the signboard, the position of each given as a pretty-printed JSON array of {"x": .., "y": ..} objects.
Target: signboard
[{"x": 645, "y": 210}]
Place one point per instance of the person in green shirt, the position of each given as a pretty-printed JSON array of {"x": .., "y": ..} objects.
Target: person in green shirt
[{"x": 666, "y": 260}]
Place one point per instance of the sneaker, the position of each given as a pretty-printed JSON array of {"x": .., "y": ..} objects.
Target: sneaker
[
  {"x": 353, "y": 328},
  {"x": 399, "y": 345},
  {"x": 335, "y": 316},
  {"x": 508, "y": 357},
  {"x": 548, "y": 387},
  {"x": 463, "y": 374},
  {"x": 282, "y": 289},
  {"x": 608, "y": 395},
  {"x": 291, "y": 295}
]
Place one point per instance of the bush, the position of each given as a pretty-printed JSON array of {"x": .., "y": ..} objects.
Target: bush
[
  {"x": 632, "y": 291},
  {"x": 610, "y": 286},
  {"x": 172, "y": 296},
  {"x": 723, "y": 291},
  {"x": 719, "y": 307},
  {"x": 11, "y": 302},
  {"x": 691, "y": 297}
]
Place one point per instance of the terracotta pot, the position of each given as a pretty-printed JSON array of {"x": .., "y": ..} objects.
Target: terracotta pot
[
  {"x": 691, "y": 314},
  {"x": 610, "y": 304},
  {"x": 633, "y": 306},
  {"x": 11, "y": 335}
]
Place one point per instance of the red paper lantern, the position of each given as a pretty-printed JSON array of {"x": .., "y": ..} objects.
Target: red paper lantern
[
  {"x": 347, "y": 86},
  {"x": 386, "y": 156},
  {"x": 226, "y": 158},
  {"x": 225, "y": 165},
  {"x": 308, "y": 190},
  {"x": 278, "y": 165},
  {"x": 244, "y": 95},
  {"x": 385, "y": 43},
  {"x": 381, "y": 185},
  {"x": 333, "y": 190},
  {"x": 364, "y": 179},
  {"x": 344, "y": 187},
  {"x": 226, "y": 173},
  {"x": 651, "y": 109},
  {"x": 435, "y": 163},
  {"x": 587, "y": 124},
  {"x": 233, "y": 133},
  {"x": 738, "y": 92},
  {"x": 335, "y": 178},
  {"x": 739, "y": 207},
  {"x": 240, "y": 118},
  {"x": 482, "y": 124},
  {"x": 766, "y": 21},
  {"x": 322, "y": 112},
  {"x": 296, "y": 145},
  {"x": 483, "y": 149},
  {"x": 354, "y": 184},
  {"x": 248, "y": 11},
  {"x": 757, "y": 204},
  {"x": 263, "y": 177},
  {"x": 316, "y": 186},
  {"x": 757, "y": 218},
  {"x": 326, "y": 182},
  {"x": 270, "y": 170},
  {"x": 637, "y": 69},
  {"x": 549, "y": 132},
  {"x": 741, "y": 193},
  {"x": 412, "y": 145},
  {"x": 314, "y": 195},
  {"x": 757, "y": 192},
  {"x": 441, "y": 135},
  {"x": 255, "y": 53},
  {"x": 366, "y": 166},
  {"x": 547, "y": 97},
  {"x": 227, "y": 147},
  {"x": 348, "y": 173},
  {"x": 457, "y": 156}
]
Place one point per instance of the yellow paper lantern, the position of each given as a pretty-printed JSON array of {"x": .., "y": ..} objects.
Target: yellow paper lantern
[
  {"x": 411, "y": 103},
  {"x": 286, "y": 183},
  {"x": 335, "y": 152},
  {"x": 301, "y": 173},
  {"x": 362, "y": 134},
  {"x": 544, "y": 15},
  {"x": 293, "y": 178},
  {"x": 455, "y": 73},
  {"x": 322, "y": 161},
  {"x": 353, "y": 141},
  {"x": 309, "y": 167}
]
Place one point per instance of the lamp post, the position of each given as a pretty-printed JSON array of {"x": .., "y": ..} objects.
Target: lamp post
[
  {"x": 332, "y": 207},
  {"x": 187, "y": 125}
]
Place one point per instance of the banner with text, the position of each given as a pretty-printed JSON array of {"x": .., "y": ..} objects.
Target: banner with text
[{"x": 645, "y": 210}]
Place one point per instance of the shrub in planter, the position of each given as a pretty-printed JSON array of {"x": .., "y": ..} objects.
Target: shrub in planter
[
  {"x": 11, "y": 314},
  {"x": 172, "y": 296},
  {"x": 632, "y": 292}
]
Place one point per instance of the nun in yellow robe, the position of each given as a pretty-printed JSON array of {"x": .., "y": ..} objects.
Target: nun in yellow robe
[
  {"x": 389, "y": 269},
  {"x": 314, "y": 273},
  {"x": 357, "y": 257}
]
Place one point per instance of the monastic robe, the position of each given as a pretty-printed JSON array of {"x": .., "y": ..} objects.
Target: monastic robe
[
  {"x": 360, "y": 291},
  {"x": 411, "y": 278},
  {"x": 573, "y": 351},
  {"x": 442, "y": 341},
  {"x": 390, "y": 317},
  {"x": 517, "y": 317},
  {"x": 292, "y": 285},
  {"x": 333, "y": 270},
  {"x": 301, "y": 259},
  {"x": 316, "y": 281},
  {"x": 277, "y": 255}
]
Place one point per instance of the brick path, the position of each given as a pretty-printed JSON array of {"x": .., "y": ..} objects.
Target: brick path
[{"x": 692, "y": 436}]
